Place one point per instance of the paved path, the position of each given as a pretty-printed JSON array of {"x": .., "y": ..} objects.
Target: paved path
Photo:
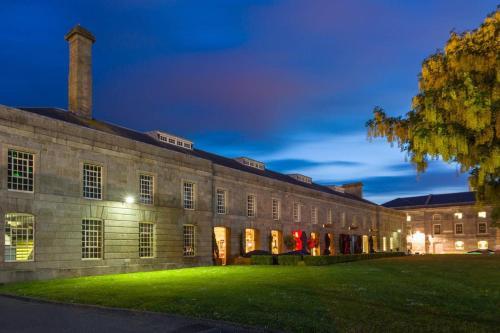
[{"x": 27, "y": 316}]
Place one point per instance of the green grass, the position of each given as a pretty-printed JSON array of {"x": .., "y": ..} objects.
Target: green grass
[{"x": 445, "y": 293}]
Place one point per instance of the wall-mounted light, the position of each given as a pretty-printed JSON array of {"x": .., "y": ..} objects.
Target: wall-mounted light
[{"x": 129, "y": 199}]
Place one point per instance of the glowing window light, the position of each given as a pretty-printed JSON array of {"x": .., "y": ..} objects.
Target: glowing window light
[
  {"x": 482, "y": 245},
  {"x": 481, "y": 215},
  {"x": 458, "y": 215},
  {"x": 459, "y": 245}
]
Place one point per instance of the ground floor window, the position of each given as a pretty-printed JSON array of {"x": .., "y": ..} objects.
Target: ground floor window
[
  {"x": 314, "y": 244},
  {"x": 366, "y": 245},
  {"x": 189, "y": 240},
  {"x": 459, "y": 245},
  {"x": 384, "y": 244},
  {"x": 19, "y": 237},
  {"x": 391, "y": 243},
  {"x": 482, "y": 245},
  {"x": 249, "y": 240},
  {"x": 91, "y": 239},
  {"x": 221, "y": 235},
  {"x": 146, "y": 240}
]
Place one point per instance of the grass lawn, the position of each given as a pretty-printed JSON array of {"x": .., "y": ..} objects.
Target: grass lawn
[{"x": 447, "y": 293}]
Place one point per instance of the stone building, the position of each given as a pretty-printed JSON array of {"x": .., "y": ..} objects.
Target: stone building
[
  {"x": 447, "y": 223},
  {"x": 81, "y": 196}
]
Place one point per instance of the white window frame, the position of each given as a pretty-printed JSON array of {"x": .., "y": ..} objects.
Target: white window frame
[
  {"x": 485, "y": 228},
  {"x": 436, "y": 217},
  {"x": 22, "y": 163},
  {"x": 314, "y": 215},
  {"x": 329, "y": 217},
  {"x": 146, "y": 192},
  {"x": 188, "y": 203},
  {"x": 251, "y": 205},
  {"x": 189, "y": 240},
  {"x": 297, "y": 212},
  {"x": 92, "y": 190},
  {"x": 22, "y": 233},
  {"x": 146, "y": 240},
  {"x": 434, "y": 229},
  {"x": 221, "y": 201},
  {"x": 276, "y": 209},
  {"x": 92, "y": 238},
  {"x": 455, "y": 229},
  {"x": 343, "y": 219}
]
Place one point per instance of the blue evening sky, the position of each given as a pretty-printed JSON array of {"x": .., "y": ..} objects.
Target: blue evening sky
[{"x": 290, "y": 83}]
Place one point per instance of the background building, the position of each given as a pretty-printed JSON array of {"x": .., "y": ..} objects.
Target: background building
[{"x": 447, "y": 223}]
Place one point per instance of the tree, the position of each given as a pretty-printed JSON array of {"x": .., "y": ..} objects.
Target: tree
[{"x": 455, "y": 116}]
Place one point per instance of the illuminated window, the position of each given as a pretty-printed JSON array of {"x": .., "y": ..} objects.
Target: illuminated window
[
  {"x": 391, "y": 243},
  {"x": 481, "y": 228},
  {"x": 251, "y": 205},
  {"x": 436, "y": 229},
  {"x": 296, "y": 212},
  {"x": 221, "y": 201},
  {"x": 19, "y": 171},
  {"x": 276, "y": 209},
  {"x": 408, "y": 218},
  {"x": 329, "y": 218},
  {"x": 314, "y": 215},
  {"x": 482, "y": 245},
  {"x": 91, "y": 239},
  {"x": 458, "y": 216},
  {"x": 481, "y": 215},
  {"x": 146, "y": 239},
  {"x": 459, "y": 228},
  {"x": 19, "y": 237},
  {"x": 436, "y": 217},
  {"x": 384, "y": 244},
  {"x": 92, "y": 181},
  {"x": 275, "y": 241},
  {"x": 249, "y": 240},
  {"x": 146, "y": 189},
  {"x": 189, "y": 240},
  {"x": 188, "y": 195},
  {"x": 459, "y": 245}
]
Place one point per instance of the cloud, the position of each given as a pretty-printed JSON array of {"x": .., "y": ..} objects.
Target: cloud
[{"x": 296, "y": 165}]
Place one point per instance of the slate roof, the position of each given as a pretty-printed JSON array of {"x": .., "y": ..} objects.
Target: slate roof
[
  {"x": 433, "y": 200},
  {"x": 63, "y": 115}
]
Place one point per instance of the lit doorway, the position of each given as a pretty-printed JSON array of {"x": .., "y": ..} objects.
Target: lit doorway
[
  {"x": 249, "y": 240},
  {"x": 331, "y": 243},
  {"x": 366, "y": 245},
  {"x": 222, "y": 238},
  {"x": 276, "y": 241},
  {"x": 314, "y": 244}
]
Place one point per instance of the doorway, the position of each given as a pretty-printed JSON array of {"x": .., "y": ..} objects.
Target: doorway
[
  {"x": 366, "y": 245},
  {"x": 276, "y": 241},
  {"x": 222, "y": 241},
  {"x": 249, "y": 240}
]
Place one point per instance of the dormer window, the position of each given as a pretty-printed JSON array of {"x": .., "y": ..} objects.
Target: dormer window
[
  {"x": 251, "y": 163},
  {"x": 171, "y": 139},
  {"x": 301, "y": 178}
]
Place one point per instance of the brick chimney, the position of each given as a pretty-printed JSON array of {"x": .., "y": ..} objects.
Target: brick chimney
[
  {"x": 354, "y": 189},
  {"x": 80, "y": 71}
]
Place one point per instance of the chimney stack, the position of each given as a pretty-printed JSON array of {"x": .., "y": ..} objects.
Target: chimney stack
[{"x": 80, "y": 71}]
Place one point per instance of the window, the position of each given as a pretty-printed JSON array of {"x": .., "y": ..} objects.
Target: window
[
  {"x": 481, "y": 228},
  {"x": 249, "y": 240},
  {"x": 92, "y": 181},
  {"x": 384, "y": 244},
  {"x": 459, "y": 228},
  {"x": 343, "y": 219},
  {"x": 189, "y": 240},
  {"x": 189, "y": 195},
  {"x": 146, "y": 239},
  {"x": 408, "y": 218},
  {"x": 314, "y": 215},
  {"x": 276, "y": 210},
  {"x": 296, "y": 212},
  {"x": 437, "y": 229},
  {"x": 481, "y": 215},
  {"x": 19, "y": 237},
  {"x": 91, "y": 239},
  {"x": 221, "y": 201},
  {"x": 482, "y": 245},
  {"x": 329, "y": 218},
  {"x": 146, "y": 194},
  {"x": 459, "y": 245},
  {"x": 19, "y": 171},
  {"x": 458, "y": 216},
  {"x": 436, "y": 217},
  {"x": 251, "y": 205},
  {"x": 391, "y": 243}
]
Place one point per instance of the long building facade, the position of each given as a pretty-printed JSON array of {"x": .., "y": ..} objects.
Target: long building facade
[
  {"x": 81, "y": 196},
  {"x": 447, "y": 223}
]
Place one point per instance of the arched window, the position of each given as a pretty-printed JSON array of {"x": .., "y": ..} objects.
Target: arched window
[{"x": 19, "y": 237}]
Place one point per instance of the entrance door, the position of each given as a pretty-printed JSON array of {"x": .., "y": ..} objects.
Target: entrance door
[
  {"x": 275, "y": 241},
  {"x": 222, "y": 241},
  {"x": 366, "y": 246},
  {"x": 249, "y": 240}
]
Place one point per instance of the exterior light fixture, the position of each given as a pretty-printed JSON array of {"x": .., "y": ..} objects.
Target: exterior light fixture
[
  {"x": 129, "y": 199},
  {"x": 399, "y": 230}
]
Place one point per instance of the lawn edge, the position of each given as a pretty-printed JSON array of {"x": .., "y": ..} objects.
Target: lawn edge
[{"x": 217, "y": 323}]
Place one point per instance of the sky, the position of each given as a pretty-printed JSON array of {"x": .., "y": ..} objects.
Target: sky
[{"x": 290, "y": 83}]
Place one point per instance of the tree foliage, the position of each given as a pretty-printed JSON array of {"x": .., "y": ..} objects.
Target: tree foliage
[{"x": 454, "y": 116}]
